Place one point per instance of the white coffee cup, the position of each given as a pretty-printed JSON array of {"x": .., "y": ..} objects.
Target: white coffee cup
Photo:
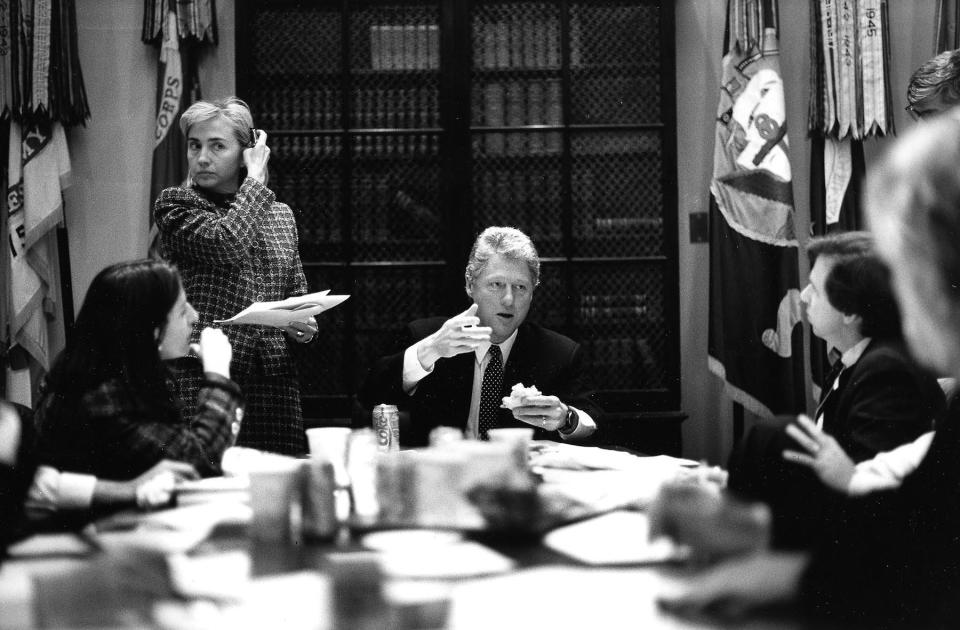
[{"x": 331, "y": 443}]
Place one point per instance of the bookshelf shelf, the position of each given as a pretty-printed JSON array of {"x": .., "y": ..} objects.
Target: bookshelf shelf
[
  {"x": 401, "y": 129},
  {"x": 522, "y": 72},
  {"x": 413, "y": 75}
]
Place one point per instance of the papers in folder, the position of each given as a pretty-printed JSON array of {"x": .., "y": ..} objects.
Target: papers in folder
[{"x": 281, "y": 312}]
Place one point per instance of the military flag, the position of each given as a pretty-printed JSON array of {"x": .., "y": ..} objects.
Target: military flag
[
  {"x": 41, "y": 92},
  {"x": 754, "y": 341},
  {"x": 180, "y": 28},
  {"x": 849, "y": 101}
]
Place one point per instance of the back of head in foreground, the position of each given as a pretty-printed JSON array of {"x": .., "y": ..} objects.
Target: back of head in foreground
[
  {"x": 913, "y": 205},
  {"x": 935, "y": 86}
]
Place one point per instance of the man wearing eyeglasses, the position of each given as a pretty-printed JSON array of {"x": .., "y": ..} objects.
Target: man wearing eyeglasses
[{"x": 934, "y": 86}]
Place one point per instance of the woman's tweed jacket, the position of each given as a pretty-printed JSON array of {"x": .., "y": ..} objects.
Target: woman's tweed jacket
[{"x": 232, "y": 251}]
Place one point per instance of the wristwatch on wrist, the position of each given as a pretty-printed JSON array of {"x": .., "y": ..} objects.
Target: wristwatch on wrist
[{"x": 571, "y": 423}]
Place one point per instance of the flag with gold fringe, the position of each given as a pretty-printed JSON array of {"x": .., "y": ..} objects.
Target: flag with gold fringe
[
  {"x": 180, "y": 29},
  {"x": 41, "y": 93},
  {"x": 946, "y": 26},
  {"x": 754, "y": 341},
  {"x": 849, "y": 101},
  {"x": 38, "y": 169}
]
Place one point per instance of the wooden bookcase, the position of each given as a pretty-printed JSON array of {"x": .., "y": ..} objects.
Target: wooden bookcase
[{"x": 401, "y": 129}]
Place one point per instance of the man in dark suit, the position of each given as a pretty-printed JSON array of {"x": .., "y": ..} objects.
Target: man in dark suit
[
  {"x": 891, "y": 558},
  {"x": 455, "y": 372},
  {"x": 875, "y": 399}
]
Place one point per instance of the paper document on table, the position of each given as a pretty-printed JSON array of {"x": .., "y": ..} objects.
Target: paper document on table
[
  {"x": 618, "y": 598},
  {"x": 570, "y": 456},
  {"x": 292, "y": 601},
  {"x": 53, "y": 544},
  {"x": 281, "y": 312},
  {"x": 169, "y": 531},
  {"x": 614, "y": 538},
  {"x": 457, "y": 560}
]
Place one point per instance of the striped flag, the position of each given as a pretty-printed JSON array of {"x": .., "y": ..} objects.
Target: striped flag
[
  {"x": 180, "y": 29},
  {"x": 38, "y": 170},
  {"x": 849, "y": 101},
  {"x": 41, "y": 92},
  {"x": 176, "y": 89},
  {"x": 754, "y": 341}
]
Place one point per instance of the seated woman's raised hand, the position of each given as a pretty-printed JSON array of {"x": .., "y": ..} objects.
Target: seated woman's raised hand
[{"x": 214, "y": 351}]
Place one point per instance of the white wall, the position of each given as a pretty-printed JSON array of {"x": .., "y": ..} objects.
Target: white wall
[{"x": 107, "y": 206}]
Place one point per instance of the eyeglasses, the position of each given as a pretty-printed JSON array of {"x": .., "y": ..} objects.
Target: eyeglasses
[{"x": 919, "y": 114}]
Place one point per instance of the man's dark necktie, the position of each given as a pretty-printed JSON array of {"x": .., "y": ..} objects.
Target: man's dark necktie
[
  {"x": 491, "y": 391},
  {"x": 833, "y": 376}
]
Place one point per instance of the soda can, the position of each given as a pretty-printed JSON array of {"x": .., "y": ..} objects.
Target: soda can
[{"x": 386, "y": 424}]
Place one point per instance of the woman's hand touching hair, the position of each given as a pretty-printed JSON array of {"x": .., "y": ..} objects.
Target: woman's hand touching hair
[{"x": 255, "y": 158}]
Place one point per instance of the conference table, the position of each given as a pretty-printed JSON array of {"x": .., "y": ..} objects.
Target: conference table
[{"x": 196, "y": 566}]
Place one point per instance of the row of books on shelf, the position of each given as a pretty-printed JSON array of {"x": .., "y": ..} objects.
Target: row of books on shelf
[
  {"x": 373, "y": 228},
  {"x": 306, "y": 148},
  {"x": 302, "y": 107},
  {"x": 519, "y": 193},
  {"x": 526, "y": 42},
  {"x": 621, "y": 225},
  {"x": 301, "y": 148},
  {"x": 370, "y": 108},
  {"x": 383, "y": 212},
  {"x": 404, "y": 46},
  {"x": 613, "y": 305},
  {"x": 491, "y": 144},
  {"x": 395, "y": 108},
  {"x": 518, "y": 104},
  {"x": 624, "y": 356}
]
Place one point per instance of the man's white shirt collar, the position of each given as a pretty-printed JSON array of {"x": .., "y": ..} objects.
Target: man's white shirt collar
[
  {"x": 853, "y": 355},
  {"x": 505, "y": 346}
]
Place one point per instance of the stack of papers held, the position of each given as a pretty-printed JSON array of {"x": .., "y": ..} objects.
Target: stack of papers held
[{"x": 280, "y": 313}]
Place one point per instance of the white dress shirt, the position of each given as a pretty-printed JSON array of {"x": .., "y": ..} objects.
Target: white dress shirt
[
  {"x": 848, "y": 358},
  {"x": 53, "y": 490},
  {"x": 414, "y": 372},
  {"x": 888, "y": 469}
]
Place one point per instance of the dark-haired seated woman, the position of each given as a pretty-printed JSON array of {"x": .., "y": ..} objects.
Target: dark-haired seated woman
[{"x": 110, "y": 408}]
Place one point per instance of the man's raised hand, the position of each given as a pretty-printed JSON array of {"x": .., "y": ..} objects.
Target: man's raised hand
[{"x": 459, "y": 334}]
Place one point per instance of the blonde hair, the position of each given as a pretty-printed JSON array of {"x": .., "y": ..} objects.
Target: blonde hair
[{"x": 231, "y": 109}]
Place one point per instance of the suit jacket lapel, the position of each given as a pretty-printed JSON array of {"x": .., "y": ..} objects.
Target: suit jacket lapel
[
  {"x": 830, "y": 404},
  {"x": 516, "y": 366},
  {"x": 460, "y": 385}
]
